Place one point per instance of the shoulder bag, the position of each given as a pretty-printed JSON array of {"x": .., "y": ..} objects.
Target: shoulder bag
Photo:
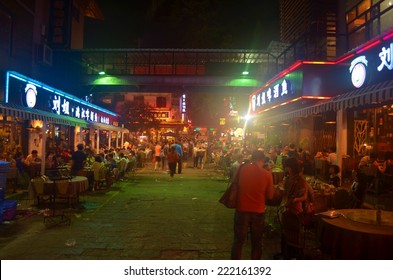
[{"x": 229, "y": 198}]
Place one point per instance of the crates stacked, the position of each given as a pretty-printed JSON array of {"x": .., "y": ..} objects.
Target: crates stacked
[
  {"x": 4, "y": 168},
  {"x": 9, "y": 209}
]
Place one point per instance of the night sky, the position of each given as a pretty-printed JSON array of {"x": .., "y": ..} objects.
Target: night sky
[
  {"x": 187, "y": 24},
  {"x": 215, "y": 24}
]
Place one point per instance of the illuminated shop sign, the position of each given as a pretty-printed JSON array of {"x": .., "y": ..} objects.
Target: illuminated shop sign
[
  {"x": 26, "y": 92},
  {"x": 183, "y": 106},
  {"x": 358, "y": 71},
  {"x": 373, "y": 65},
  {"x": 270, "y": 95},
  {"x": 386, "y": 56},
  {"x": 161, "y": 115}
]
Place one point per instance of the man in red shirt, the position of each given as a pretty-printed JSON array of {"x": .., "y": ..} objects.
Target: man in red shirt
[{"x": 255, "y": 187}]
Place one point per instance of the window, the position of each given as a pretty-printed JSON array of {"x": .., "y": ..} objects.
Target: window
[
  {"x": 139, "y": 100},
  {"x": 5, "y": 32},
  {"x": 364, "y": 6},
  {"x": 351, "y": 15},
  {"x": 161, "y": 102}
]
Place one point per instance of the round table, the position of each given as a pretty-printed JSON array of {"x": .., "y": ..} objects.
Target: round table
[
  {"x": 355, "y": 235},
  {"x": 76, "y": 185}
]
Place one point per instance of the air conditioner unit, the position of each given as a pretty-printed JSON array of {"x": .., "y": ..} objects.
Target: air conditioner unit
[{"x": 45, "y": 54}]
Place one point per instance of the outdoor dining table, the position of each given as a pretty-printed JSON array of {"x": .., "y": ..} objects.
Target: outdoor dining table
[
  {"x": 355, "y": 234},
  {"x": 77, "y": 185}
]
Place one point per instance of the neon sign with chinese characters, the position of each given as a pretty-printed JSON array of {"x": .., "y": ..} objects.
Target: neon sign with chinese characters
[
  {"x": 386, "y": 56},
  {"x": 271, "y": 95},
  {"x": 371, "y": 65},
  {"x": 26, "y": 92}
]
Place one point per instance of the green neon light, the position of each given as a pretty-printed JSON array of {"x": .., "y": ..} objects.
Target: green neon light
[{"x": 244, "y": 82}]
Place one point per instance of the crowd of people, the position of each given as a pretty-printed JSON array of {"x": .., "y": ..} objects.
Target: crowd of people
[{"x": 253, "y": 165}]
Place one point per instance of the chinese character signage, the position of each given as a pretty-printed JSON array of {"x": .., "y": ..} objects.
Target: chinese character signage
[
  {"x": 386, "y": 56},
  {"x": 23, "y": 91},
  {"x": 183, "y": 105},
  {"x": 372, "y": 65},
  {"x": 278, "y": 92}
]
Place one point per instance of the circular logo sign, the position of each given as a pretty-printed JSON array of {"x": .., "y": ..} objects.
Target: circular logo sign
[
  {"x": 358, "y": 75},
  {"x": 31, "y": 95},
  {"x": 358, "y": 71}
]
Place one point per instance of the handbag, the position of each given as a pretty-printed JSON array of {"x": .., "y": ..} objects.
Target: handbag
[{"x": 229, "y": 198}]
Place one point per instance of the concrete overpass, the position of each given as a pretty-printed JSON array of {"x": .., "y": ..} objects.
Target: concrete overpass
[{"x": 167, "y": 70}]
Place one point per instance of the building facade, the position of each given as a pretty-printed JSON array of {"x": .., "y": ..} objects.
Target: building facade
[
  {"x": 345, "y": 103},
  {"x": 36, "y": 113}
]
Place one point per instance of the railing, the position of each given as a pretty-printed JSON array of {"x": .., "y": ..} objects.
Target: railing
[{"x": 176, "y": 62}]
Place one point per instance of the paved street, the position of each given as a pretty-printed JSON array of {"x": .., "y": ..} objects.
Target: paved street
[{"x": 145, "y": 217}]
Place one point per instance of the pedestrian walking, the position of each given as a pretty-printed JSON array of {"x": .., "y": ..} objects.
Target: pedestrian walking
[
  {"x": 179, "y": 151},
  {"x": 255, "y": 187},
  {"x": 172, "y": 159},
  {"x": 157, "y": 155},
  {"x": 163, "y": 155}
]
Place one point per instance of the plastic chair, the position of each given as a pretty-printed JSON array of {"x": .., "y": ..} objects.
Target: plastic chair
[
  {"x": 63, "y": 191},
  {"x": 99, "y": 176},
  {"x": 40, "y": 192},
  {"x": 12, "y": 178},
  {"x": 122, "y": 164},
  {"x": 342, "y": 199},
  {"x": 131, "y": 168}
]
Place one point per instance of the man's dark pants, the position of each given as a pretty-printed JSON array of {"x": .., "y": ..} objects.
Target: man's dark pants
[{"x": 243, "y": 221}]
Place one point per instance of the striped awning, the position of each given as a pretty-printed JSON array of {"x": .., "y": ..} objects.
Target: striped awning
[
  {"x": 34, "y": 114},
  {"x": 374, "y": 94},
  {"x": 370, "y": 95},
  {"x": 103, "y": 126}
]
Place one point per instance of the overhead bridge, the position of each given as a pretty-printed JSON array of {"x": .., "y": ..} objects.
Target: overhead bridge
[{"x": 172, "y": 69}]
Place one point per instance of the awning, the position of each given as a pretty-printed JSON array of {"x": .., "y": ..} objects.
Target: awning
[
  {"x": 373, "y": 94},
  {"x": 103, "y": 126},
  {"x": 34, "y": 114}
]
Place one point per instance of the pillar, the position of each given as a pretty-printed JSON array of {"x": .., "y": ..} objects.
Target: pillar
[
  {"x": 98, "y": 141},
  {"x": 341, "y": 136},
  {"x": 43, "y": 147}
]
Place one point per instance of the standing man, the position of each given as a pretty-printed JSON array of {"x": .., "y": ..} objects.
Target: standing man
[
  {"x": 78, "y": 160},
  {"x": 179, "y": 152},
  {"x": 255, "y": 187},
  {"x": 172, "y": 159}
]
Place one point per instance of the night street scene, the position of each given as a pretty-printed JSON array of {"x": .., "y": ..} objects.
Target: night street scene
[{"x": 124, "y": 124}]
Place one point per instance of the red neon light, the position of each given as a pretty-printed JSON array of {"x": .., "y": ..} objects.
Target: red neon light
[
  {"x": 345, "y": 58},
  {"x": 293, "y": 67},
  {"x": 388, "y": 36},
  {"x": 282, "y": 74},
  {"x": 319, "y": 62},
  {"x": 291, "y": 101},
  {"x": 368, "y": 46},
  {"x": 316, "y": 97}
]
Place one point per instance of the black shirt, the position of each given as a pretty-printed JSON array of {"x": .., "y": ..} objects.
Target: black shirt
[{"x": 78, "y": 158}]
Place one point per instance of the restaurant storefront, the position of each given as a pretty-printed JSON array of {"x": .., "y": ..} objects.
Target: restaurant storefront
[
  {"x": 35, "y": 116},
  {"x": 347, "y": 104}
]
